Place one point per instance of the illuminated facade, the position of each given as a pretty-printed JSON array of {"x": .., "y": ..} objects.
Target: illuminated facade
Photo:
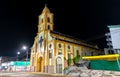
[{"x": 51, "y": 50}]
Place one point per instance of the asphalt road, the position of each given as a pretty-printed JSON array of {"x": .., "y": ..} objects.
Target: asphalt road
[{"x": 27, "y": 74}]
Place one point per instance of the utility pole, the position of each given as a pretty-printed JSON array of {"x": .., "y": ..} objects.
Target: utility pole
[{"x": 27, "y": 55}]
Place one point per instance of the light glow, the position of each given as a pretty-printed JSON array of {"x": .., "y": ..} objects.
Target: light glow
[{"x": 24, "y": 47}]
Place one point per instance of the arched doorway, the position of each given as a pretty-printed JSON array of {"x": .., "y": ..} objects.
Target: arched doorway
[
  {"x": 58, "y": 65},
  {"x": 40, "y": 63}
]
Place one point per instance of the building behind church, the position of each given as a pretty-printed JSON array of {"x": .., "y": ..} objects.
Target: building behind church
[{"x": 52, "y": 51}]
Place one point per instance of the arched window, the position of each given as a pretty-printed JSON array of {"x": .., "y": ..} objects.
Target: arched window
[
  {"x": 42, "y": 20},
  {"x": 48, "y": 27},
  {"x": 59, "y": 45},
  {"x": 77, "y": 52},
  {"x": 50, "y": 45},
  {"x": 68, "y": 47},
  {"x": 50, "y": 54},
  {"x": 69, "y": 55},
  {"x": 48, "y": 19}
]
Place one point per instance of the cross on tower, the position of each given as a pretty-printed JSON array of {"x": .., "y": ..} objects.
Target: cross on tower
[{"x": 41, "y": 41}]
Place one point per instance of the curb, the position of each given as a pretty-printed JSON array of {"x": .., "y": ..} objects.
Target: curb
[{"x": 47, "y": 74}]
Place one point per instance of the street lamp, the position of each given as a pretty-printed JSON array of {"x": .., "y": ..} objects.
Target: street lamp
[
  {"x": 25, "y": 48},
  {"x": 18, "y": 53}
]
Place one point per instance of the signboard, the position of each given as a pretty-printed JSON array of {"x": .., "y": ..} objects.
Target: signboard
[{"x": 21, "y": 63}]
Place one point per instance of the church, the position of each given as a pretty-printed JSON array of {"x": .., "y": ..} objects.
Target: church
[{"x": 52, "y": 51}]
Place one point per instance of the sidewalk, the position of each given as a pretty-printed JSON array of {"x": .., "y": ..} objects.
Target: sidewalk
[{"x": 55, "y": 74}]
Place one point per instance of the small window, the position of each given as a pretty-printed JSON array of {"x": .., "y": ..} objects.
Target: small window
[
  {"x": 50, "y": 45},
  {"x": 77, "y": 52},
  {"x": 48, "y": 19},
  {"x": 48, "y": 27},
  {"x": 68, "y": 47},
  {"x": 111, "y": 52},
  {"x": 59, "y": 45},
  {"x": 42, "y": 20},
  {"x": 60, "y": 52},
  {"x": 50, "y": 55},
  {"x": 69, "y": 55}
]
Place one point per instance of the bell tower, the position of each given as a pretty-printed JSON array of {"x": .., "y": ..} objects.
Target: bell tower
[
  {"x": 45, "y": 20},
  {"x": 45, "y": 25},
  {"x": 39, "y": 51}
]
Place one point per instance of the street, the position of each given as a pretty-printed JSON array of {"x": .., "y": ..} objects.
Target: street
[{"x": 27, "y": 74}]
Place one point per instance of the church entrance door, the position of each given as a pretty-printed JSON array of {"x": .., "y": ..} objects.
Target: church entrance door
[
  {"x": 58, "y": 65},
  {"x": 40, "y": 63}
]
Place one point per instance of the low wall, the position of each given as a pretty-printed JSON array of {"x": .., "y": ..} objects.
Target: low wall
[{"x": 104, "y": 65}]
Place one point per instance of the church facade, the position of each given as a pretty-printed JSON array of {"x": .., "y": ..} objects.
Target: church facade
[{"x": 52, "y": 51}]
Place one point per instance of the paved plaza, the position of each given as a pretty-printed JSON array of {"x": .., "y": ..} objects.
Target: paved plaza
[
  {"x": 83, "y": 73},
  {"x": 28, "y": 74}
]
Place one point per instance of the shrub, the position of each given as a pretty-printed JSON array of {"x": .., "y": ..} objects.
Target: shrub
[
  {"x": 69, "y": 61},
  {"x": 76, "y": 59}
]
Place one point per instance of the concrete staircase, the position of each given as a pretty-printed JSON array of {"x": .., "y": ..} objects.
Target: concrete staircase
[{"x": 81, "y": 70}]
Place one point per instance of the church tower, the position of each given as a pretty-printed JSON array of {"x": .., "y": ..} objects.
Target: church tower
[
  {"x": 39, "y": 50},
  {"x": 45, "y": 20}
]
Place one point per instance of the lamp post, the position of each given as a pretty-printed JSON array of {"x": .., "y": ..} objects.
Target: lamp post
[
  {"x": 25, "y": 48},
  {"x": 18, "y": 53}
]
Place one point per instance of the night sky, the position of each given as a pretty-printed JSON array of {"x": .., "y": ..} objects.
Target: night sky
[{"x": 83, "y": 19}]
